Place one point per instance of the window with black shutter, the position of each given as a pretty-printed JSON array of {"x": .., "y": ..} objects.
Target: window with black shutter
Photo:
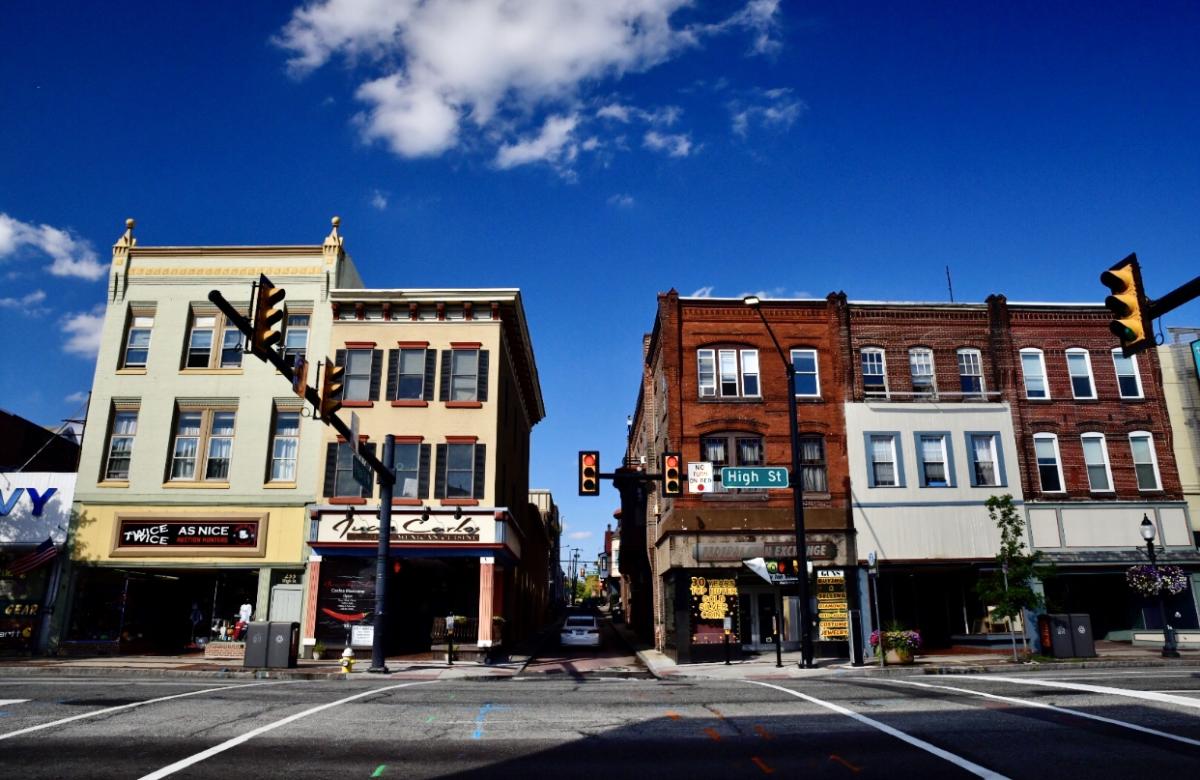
[
  {"x": 430, "y": 370},
  {"x": 376, "y": 373},
  {"x": 410, "y": 374}
]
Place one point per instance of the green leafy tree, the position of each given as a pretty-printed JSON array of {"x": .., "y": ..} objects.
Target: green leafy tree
[{"x": 1010, "y": 588}]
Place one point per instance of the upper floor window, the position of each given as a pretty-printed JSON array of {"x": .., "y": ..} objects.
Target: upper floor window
[
  {"x": 1045, "y": 446},
  {"x": 1145, "y": 460},
  {"x": 970, "y": 372},
  {"x": 411, "y": 460},
  {"x": 464, "y": 374},
  {"x": 363, "y": 367},
  {"x": 1129, "y": 379},
  {"x": 920, "y": 364},
  {"x": 1079, "y": 366},
  {"x": 934, "y": 455},
  {"x": 120, "y": 445},
  {"x": 987, "y": 464},
  {"x": 460, "y": 470},
  {"x": 137, "y": 341},
  {"x": 411, "y": 374},
  {"x": 808, "y": 381},
  {"x": 339, "y": 471},
  {"x": 285, "y": 443},
  {"x": 731, "y": 449},
  {"x": 731, "y": 373},
  {"x": 1033, "y": 368},
  {"x": 884, "y": 467},
  {"x": 812, "y": 464},
  {"x": 1095, "y": 458},
  {"x": 295, "y": 337},
  {"x": 213, "y": 343},
  {"x": 874, "y": 372},
  {"x": 203, "y": 445}
]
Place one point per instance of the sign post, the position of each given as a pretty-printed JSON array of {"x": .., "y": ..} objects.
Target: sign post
[{"x": 873, "y": 563}]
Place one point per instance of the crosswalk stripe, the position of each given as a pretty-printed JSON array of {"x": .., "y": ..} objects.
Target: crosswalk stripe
[{"x": 6, "y": 702}]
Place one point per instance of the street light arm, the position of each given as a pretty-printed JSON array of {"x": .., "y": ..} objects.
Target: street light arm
[{"x": 770, "y": 332}]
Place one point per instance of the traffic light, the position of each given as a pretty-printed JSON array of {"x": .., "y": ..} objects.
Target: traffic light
[
  {"x": 1129, "y": 305},
  {"x": 331, "y": 389},
  {"x": 267, "y": 314},
  {"x": 300, "y": 376},
  {"x": 672, "y": 463},
  {"x": 589, "y": 473}
]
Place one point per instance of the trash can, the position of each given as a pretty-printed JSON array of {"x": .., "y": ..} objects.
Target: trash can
[
  {"x": 1055, "y": 633},
  {"x": 283, "y": 645},
  {"x": 256, "y": 645},
  {"x": 1081, "y": 636}
]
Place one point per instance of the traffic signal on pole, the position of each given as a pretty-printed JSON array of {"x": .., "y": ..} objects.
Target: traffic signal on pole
[
  {"x": 331, "y": 389},
  {"x": 1131, "y": 309},
  {"x": 267, "y": 314},
  {"x": 589, "y": 473},
  {"x": 672, "y": 465},
  {"x": 300, "y": 376}
]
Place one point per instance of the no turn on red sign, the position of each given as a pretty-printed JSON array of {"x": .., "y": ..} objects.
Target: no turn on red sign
[{"x": 700, "y": 477}]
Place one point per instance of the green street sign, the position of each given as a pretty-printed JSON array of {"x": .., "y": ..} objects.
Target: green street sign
[
  {"x": 754, "y": 477},
  {"x": 362, "y": 474}
]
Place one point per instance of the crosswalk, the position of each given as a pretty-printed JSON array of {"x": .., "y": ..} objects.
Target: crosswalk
[{"x": 7, "y": 702}]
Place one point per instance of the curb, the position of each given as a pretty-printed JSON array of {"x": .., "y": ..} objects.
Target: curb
[
  {"x": 642, "y": 656},
  {"x": 126, "y": 671}
]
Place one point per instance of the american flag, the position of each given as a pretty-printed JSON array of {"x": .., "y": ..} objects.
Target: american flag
[{"x": 30, "y": 561}]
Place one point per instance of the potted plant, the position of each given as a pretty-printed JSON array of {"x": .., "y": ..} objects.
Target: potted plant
[
  {"x": 318, "y": 650},
  {"x": 497, "y": 628},
  {"x": 897, "y": 645}
]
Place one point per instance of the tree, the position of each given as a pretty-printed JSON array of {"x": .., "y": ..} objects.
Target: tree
[{"x": 1010, "y": 590}]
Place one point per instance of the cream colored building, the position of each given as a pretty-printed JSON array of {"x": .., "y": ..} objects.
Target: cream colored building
[
  {"x": 451, "y": 375},
  {"x": 198, "y": 462},
  {"x": 1181, "y": 389}
]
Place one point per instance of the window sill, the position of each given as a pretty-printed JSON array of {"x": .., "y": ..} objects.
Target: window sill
[
  {"x": 347, "y": 501},
  {"x": 1123, "y": 397},
  {"x": 464, "y": 405},
  {"x": 211, "y": 371},
  {"x": 357, "y": 404},
  {"x": 1088, "y": 398},
  {"x": 130, "y": 371},
  {"x": 459, "y": 501},
  {"x": 194, "y": 485},
  {"x": 730, "y": 400},
  {"x": 410, "y": 402},
  {"x": 279, "y": 486},
  {"x": 113, "y": 483},
  {"x": 406, "y": 502}
]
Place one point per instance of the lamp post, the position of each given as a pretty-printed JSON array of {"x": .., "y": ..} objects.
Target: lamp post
[
  {"x": 1169, "y": 649},
  {"x": 806, "y": 645}
]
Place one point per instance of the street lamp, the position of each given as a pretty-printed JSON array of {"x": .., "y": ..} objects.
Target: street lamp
[
  {"x": 1169, "y": 649},
  {"x": 806, "y": 645}
]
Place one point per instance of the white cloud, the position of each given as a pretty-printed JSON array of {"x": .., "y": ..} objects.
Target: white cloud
[
  {"x": 379, "y": 200},
  {"x": 777, "y": 293},
  {"x": 76, "y": 397},
  {"x": 621, "y": 200},
  {"x": 703, "y": 292},
  {"x": 577, "y": 535},
  {"x": 71, "y": 256},
  {"x": 459, "y": 72},
  {"x": 665, "y": 115},
  {"x": 553, "y": 144},
  {"x": 774, "y": 109},
  {"x": 83, "y": 333},
  {"x": 28, "y": 304},
  {"x": 674, "y": 145}
]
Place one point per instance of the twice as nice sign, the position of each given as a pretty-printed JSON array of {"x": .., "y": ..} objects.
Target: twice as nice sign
[{"x": 157, "y": 536}]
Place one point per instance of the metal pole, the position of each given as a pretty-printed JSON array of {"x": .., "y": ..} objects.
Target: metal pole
[
  {"x": 806, "y": 645},
  {"x": 874, "y": 576},
  {"x": 1011, "y": 630},
  {"x": 378, "y": 648},
  {"x": 1169, "y": 649}
]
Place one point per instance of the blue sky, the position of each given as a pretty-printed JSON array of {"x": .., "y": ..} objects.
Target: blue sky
[{"x": 594, "y": 154}]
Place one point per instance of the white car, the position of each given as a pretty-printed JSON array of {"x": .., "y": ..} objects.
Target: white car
[{"x": 580, "y": 630}]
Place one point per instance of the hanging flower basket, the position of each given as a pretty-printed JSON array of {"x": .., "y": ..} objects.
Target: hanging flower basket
[{"x": 1146, "y": 580}]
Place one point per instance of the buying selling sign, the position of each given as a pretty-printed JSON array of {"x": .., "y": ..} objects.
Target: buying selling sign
[{"x": 168, "y": 536}]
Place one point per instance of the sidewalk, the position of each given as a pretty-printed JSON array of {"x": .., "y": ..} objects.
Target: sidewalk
[{"x": 1109, "y": 655}]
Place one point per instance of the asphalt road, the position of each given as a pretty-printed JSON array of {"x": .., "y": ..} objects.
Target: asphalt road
[{"x": 1139, "y": 723}]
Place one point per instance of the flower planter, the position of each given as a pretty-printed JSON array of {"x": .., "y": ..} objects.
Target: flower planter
[{"x": 898, "y": 657}]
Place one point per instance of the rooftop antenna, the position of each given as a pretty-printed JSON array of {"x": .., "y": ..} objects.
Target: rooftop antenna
[{"x": 949, "y": 284}]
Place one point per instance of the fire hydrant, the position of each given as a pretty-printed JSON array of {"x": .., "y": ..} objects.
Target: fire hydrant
[{"x": 347, "y": 660}]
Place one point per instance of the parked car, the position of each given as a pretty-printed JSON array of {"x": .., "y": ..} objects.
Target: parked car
[{"x": 580, "y": 631}]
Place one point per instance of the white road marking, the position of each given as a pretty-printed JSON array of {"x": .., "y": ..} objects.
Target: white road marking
[
  {"x": 6, "y": 702},
  {"x": 249, "y": 735},
  {"x": 93, "y": 714},
  {"x": 1162, "y": 698},
  {"x": 1043, "y": 705},
  {"x": 946, "y": 755}
]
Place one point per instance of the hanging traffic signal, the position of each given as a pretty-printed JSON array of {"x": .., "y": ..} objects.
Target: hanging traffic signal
[
  {"x": 672, "y": 463},
  {"x": 300, "y": 376},
  {"x": 589, "y": 473},
  {"x": 267, "y": 314},
  {"x": 1131, "y": 309},
  {"x": 331, "y": 389}
]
